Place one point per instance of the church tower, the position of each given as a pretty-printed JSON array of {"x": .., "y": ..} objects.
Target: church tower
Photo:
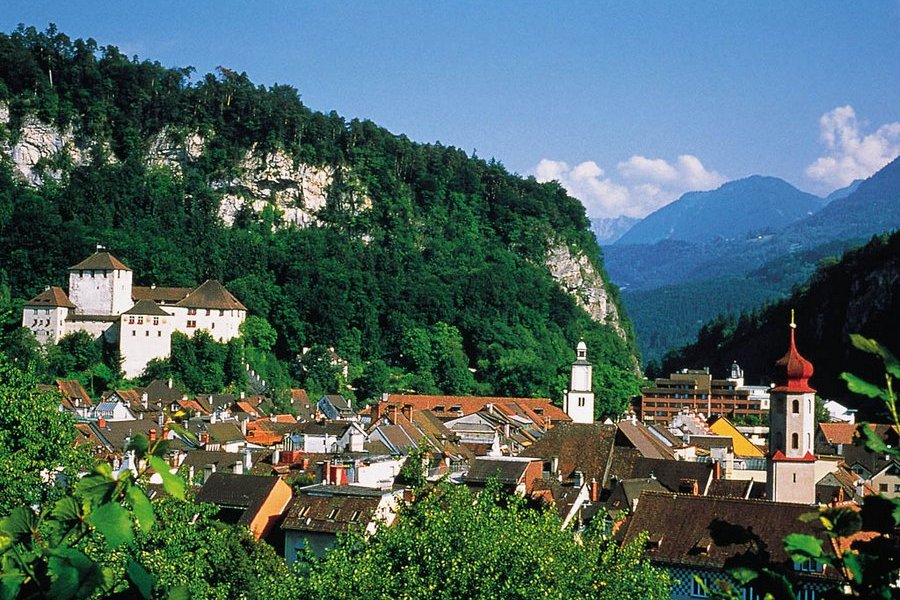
[
  {"x": 579, "y": 400},
  {"x": 791, "y": 467}
]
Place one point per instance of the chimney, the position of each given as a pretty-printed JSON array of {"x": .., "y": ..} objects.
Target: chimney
[
  {"x": 689, "y": 486},
  {"x": 145, "y": 399},
  {"x": 506, "y": 430},
  {"x": 554, "y": 466},
  {"x": 276, "y": 456},
  {"x": 376, "y": 412},
  {"x": 327, "y": 470},
  {"x": 595, "y": 491},
  {"x": 208, "y": 470},
  {"x": 152, "y": 435},
  {"x": 248, "y": 459},
  {"x": 717, "y": 470},
  {"x": 162, "y": 420},
  {"x": 203, "y": 437},
  {"x": 244, "y": 427},
  {"x": 170, "y": 383},
  {"x": 407, "y": 411},
  {"x": 243, "y": 395},
  {"x": 191, "y": 474},
  {"x": 101, "y": 422},
  {"x": 490, "y": 407},
  {"x": 238, "y": 467}
]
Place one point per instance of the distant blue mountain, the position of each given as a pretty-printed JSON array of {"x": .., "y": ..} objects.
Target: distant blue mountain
[
  {"x": 609, "y": 230},
  {"x": 844, "y": 191},
  {"x": 753, "y": 205}
]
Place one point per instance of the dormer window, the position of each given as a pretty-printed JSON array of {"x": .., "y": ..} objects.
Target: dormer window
[
  {"x": 192, "y": 311},
  {"x": 456, "y": 408},
  {"x": 333, "y": 513}
]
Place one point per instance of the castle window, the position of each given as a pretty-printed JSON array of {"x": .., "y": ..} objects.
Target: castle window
[
  {"x": 795, "y": 441},
  {"x": 147, "y": 333},
  {"x": 207, "y": 312},
  {"x": 156, "y": 320},
  {"x": 222, "y": 312},
  {"x": 192, "y": 323},
  {"x": 140, "y": 320},
  {"x": 131, "y": 320},
  {"x": 192, "y": 311},
  {"x": 133, "y": 333},
  {"x": 159, "y": 334},
  {"x": 213, "y": 326},
  {"x": 795, "y": 407}
]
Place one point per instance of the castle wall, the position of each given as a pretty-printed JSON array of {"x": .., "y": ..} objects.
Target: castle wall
[
  {"x": 47, "y": 324},
  {"x": 100, "y": 292},
  {"x": 143, "y": 338}
]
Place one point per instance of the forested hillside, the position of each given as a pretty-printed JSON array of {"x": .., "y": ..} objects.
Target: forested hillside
[
  {"x": 858, "y": 294},
  {"x": 425, "y": 268}
]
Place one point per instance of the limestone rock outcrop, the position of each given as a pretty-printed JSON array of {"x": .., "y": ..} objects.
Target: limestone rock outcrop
[{"x": 575, "y": 273}]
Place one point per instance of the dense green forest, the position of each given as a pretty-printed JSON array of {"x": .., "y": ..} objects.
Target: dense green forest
[
  {"x": 436, "y": 283},
  {"x": 858, "y": 293}
]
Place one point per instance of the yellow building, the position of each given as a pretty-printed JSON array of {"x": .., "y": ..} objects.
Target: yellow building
[{"x": 742, "y": 446}]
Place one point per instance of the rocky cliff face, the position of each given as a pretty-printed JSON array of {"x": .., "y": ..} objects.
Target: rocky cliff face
[
  {"x": 575, "y": 273},
  {"x": 298, "y": 190},
  {"x": 39, "y": 146}
]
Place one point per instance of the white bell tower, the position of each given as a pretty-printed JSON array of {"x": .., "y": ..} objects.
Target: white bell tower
[{"x": 579, "y": 400}]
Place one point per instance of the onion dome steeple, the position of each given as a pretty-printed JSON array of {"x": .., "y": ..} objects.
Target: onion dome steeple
[{"x": 793, "y": 371}]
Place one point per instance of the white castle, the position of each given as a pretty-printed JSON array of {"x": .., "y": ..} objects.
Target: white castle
[{"x": 103, "y": 302}]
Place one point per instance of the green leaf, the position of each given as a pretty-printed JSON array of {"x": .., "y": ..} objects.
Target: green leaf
[
  {"x": 861, "y": 386},
  {"x": 801, "y": 546},
  {"x": 844, "y": 521},
  {"x": 141, "y": 579},
  {"x": 179, "y": 593},
  {"x": 173, "y": 484},
  {"x": 139, "y": 444},
  {"x": 743, "y": 575},
  {"x": 872, "y": 441},
  {"x": 10, "y": 583},
  {"x": 143, "y": 509},
  {"x": 98, "y": 487},
  {"x": 19, "y": 525},
  {"x": 114, "y": 522},
  {"x": 72, "y": 574},
  {"x": 851, "y": 562},
  {"x": 891, "y": 364}
]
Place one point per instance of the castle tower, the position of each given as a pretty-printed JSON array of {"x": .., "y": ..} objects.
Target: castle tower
[
  {"x": 579, "y": 400},
  {"x": 791, "y": 467},
  {"x": 100, "y": 285}
]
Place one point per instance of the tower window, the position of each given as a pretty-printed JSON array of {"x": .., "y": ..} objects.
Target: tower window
[
  {"x": 795, "y": 407},
  {"x": 795, "y": 441}
]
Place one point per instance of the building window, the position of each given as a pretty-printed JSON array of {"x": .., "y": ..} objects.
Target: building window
[
  {"x": 140, "y": 320},
  {"x": 207, "y": 312},
  {"x": 131, "y": 320},
  {"x": 882, "y": 487},
  {"x": 192, "y": 311},
  {"x": 156, "y": 320},
  {"x": 897, "y": 488},
  {"x": 795, "y": 407},
  {"x": 795, "y": 441},
  {"x": 192, "y": 324}
]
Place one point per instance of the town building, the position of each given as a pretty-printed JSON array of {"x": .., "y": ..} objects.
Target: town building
[
  {"x": 103, "y": 301},
  {"x": 696, "y": 389}
]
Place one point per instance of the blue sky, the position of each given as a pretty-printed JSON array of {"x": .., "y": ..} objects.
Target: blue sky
[{"x": 628, "y": 104}]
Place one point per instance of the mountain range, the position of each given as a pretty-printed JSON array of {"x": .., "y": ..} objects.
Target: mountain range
[{"x": 697, "y": 279}]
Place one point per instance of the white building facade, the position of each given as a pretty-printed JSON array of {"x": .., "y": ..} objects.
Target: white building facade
[
  {"x": 579, "y": 400},
  {"x": 103, "y": 302}
]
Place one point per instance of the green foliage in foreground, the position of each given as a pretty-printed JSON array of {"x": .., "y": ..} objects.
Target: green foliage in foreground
[{"x": 451, "y": 543}]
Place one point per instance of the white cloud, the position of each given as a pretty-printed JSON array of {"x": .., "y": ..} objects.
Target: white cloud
[
  {"x": 646, "y": 183},
  {"x": 851, "y": 154}
]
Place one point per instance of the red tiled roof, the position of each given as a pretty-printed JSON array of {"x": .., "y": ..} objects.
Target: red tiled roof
[
  {"x": 779, "y": 456},
  {"x": 528, "y": 407},
  {"x": 838, "y": 433},
  {"x": 160, "y": 295},
  {"x": 211, "y": 294},
  {"x": 72, "y": 389},
  {"x": 100, "y": 261},
  {"x": 53, "y": 296}
]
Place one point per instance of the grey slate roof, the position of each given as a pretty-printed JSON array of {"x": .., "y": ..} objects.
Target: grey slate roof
[{"x": 235, "y": 491}]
